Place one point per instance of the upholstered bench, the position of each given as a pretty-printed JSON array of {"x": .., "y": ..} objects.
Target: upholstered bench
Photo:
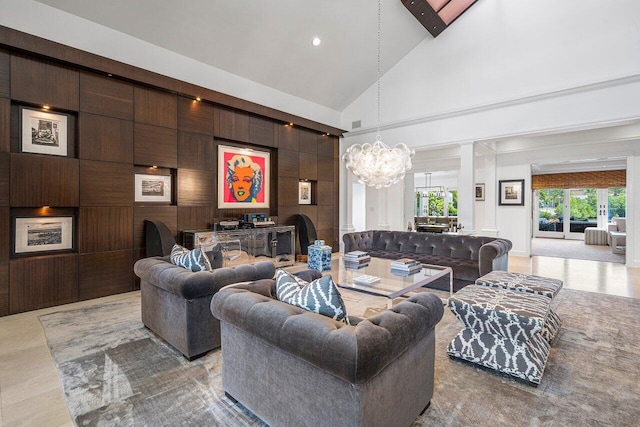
[
  {"x": 596, "y": 236},
  {"x": 502, "y": 330},
  {"x": 528, "y": 283}
]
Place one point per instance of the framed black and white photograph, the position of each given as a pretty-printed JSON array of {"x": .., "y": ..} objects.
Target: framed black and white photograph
[
  {"x": 511, "y": 192},
  {"x": 479, "y": 192},
  {"x": 153, "y": 188},
  {"x": 43, "y": 234},
  {"x": 304, "y": 193},
  {"x": 43, "y": 132}
]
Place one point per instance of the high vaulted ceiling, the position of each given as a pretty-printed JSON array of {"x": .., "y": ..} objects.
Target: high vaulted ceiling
[{"x": 269, "y": 42}]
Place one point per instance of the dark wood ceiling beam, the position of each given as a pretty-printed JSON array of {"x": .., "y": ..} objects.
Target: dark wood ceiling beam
[{"x": 436, "y": 21}]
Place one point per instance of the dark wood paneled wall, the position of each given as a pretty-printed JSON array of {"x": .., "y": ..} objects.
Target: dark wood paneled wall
[{"x": 119, "y": 128}]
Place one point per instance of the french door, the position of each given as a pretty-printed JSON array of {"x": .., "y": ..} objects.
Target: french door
[{"x": 565, "y": 213}]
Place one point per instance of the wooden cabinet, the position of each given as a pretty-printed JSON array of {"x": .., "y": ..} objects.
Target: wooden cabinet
[
  {"x": 155, "y": 146},
  {"x": 262, "y": 132},
  {"x": 196, "y": 188},
  {"x": 5, "y": 175},
  {"x": 5, "y": 74},
  {"x": 194, "y": 116},
  {"x": 5, "y": 125},
  {"x": 39, "y": 180},
  {"x": 4, "y": 288},
  {"x": 106, "y": 96},
  {"x": 102, "y": 274},
  {"x": 196, "y": 151},
  {"x": 105, "y": 184},
  {"x": 104, "y": 229},
  {"x": 154, "y": 107},
  {"x": 231, "y": 124},
  {"x": 43, "y": 83},
  {"x": 42, "y": 281},
  {"x": 5, "y": 241},
  {"x": 105, "y": 138}
]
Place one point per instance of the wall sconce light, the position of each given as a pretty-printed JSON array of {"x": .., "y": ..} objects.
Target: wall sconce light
[
  {"x": 198, "y": 99},
  {"x": 154, "y": 167},
  {"x": 45, "y": 107}
]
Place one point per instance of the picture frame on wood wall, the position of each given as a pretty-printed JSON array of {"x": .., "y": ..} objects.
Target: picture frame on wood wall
[
  {"x": 304, "y": 193},
  {"x": 36, "y": 234},
  {"x": 43, "y": 132},
  {"x": 243, "y": 178},
  {"x": 152, "y": 188},
  {"x": 510, "y": 192}
]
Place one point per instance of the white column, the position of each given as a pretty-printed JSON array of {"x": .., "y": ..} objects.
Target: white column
[
  {"x": 409, "y": 199},
  {"x": 346, "y": 197},
  {"x": 633, "y": 205},
  {"x": 490, "y": 192},
  {"x": 383, "y": 211},
  {"x": 466, "y": 187}
]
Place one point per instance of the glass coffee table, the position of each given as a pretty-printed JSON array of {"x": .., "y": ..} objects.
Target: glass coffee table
[{"x": 389, "y": 284}]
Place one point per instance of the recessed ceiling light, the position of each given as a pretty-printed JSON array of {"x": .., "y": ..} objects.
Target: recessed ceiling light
[{"x": 316, "y": 41}]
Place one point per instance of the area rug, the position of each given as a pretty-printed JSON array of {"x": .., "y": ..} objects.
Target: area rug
[
  {"x": 575, "y": 249},
  {"x": 115, "y": 372}
]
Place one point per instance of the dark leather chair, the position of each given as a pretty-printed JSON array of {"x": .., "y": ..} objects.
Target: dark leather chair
[
  {"x": 158, "y": 238},
  {"x": 306, "y": 232}
]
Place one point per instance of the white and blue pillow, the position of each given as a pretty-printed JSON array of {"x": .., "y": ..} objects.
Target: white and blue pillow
[
  {"x": 195, "y": 260},
  {"x": 320, "y": 296}
]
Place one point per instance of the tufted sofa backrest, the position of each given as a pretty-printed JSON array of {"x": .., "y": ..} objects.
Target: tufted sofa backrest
[{"x": 454, "y": 246}]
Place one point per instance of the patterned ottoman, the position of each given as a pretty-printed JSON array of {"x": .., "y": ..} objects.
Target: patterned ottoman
[
  {"x": 502, "y": 330},
  {"x": 545, "y": 286}
]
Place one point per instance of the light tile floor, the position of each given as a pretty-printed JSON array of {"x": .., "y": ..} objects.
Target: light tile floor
[{"x": 30, "y": 391}]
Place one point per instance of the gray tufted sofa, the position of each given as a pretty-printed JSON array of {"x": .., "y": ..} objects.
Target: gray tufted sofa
[
  {"x": 470, "y": 257},
  {"x": 176, "y": 301},
  {"x": 292, "y": 367}
]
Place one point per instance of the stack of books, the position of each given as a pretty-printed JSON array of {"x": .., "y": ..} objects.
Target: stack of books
[
  {"x": 356, "y": 259},
  {"x": 366, "y": 280},
  {"x": 405, "y": 267}
]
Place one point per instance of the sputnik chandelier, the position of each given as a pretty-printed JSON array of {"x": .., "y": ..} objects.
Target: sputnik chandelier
[{"x": 378, "y": 165}]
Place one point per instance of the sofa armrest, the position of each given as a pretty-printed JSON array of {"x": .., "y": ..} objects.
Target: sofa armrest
[
  {"x": 612, "y": 226},
  {"x": 359, "y": 241},
  {"x": 180, "y": 281},
  {"x": 354, "y": 353},
  {"x": 490, "y": 252}
]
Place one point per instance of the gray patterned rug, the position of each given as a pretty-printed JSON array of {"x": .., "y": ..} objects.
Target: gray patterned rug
[{"x": 115, "y": 372}]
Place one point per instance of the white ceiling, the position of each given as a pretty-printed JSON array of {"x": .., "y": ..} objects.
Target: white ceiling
[{"x": 269, "y": 42}]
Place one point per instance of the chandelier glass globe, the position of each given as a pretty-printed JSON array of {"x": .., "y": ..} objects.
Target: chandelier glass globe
[{"x": 378, "y": 165}]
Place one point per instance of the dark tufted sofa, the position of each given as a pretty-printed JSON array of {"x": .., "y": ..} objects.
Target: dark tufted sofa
[
  {"x": 470, "y": 257},
  {"x": 292, "y": 367}
]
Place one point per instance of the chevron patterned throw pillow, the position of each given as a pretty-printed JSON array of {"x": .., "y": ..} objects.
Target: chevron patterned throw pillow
[
  {"x": 320, "y": 296},
  {"x": 194, "y": 260}
]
